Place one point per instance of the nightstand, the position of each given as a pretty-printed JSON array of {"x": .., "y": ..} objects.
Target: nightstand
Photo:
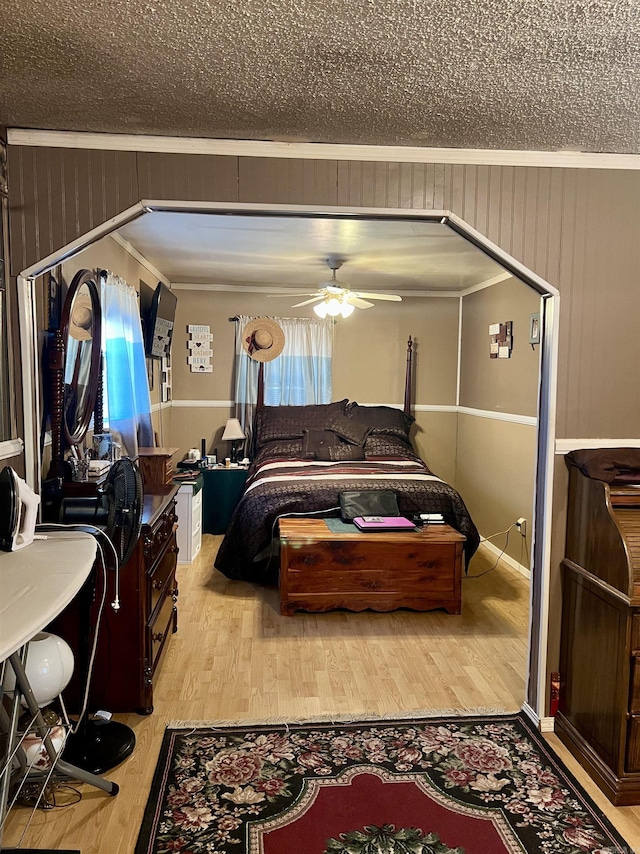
[
  {"x": 189, "y": 511},
  {"x": 222, "y": 490}
]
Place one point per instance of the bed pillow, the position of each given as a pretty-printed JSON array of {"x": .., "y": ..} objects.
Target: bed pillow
[
  {"x": 384, "y": 445},
  {"x": 288, "y": 422},
  {"x": 284, "y": 449},
  {"x": 315, "y": 441},
  {"x": 382, "y": 420},
  {"x": 351, "y": 431},
  {"x": 327, "y": 446},
  {"x": 342, "y": 452}
]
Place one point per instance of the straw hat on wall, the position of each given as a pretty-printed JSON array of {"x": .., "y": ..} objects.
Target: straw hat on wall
[{"x": 263, "y": 339}]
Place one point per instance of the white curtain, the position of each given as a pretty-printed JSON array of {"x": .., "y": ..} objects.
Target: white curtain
[
  {"x": 301, "y": 375},
  {"x": 127, "y": 404}
]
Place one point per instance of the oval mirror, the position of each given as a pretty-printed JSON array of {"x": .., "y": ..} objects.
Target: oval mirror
[{"x": 81, "y": 334}]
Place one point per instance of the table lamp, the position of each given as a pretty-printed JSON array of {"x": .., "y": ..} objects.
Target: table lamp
[{"x": 233, "y": 433}]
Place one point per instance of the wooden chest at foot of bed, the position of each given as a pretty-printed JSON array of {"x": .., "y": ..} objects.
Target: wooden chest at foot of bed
[{"x": 321, "y": 570}]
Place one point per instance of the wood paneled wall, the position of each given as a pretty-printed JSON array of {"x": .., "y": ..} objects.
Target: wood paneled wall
[{"x": 578, "y": 229}]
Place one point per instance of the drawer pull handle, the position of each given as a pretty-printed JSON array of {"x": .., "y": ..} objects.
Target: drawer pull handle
[
  {"x": 157, "y": 637},
  {"x": 158, "y": 584}
]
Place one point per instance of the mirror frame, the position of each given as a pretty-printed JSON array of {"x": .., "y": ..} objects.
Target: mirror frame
[
  {"x": 82, "y": 278},
  {"x": 59, "y": 426}
]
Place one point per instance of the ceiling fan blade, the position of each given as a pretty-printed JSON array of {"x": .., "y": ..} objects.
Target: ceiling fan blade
[
  {"x": 279, "y": 296},
  {"x": 307, "y": 301},
  {"x": 359, "y": 303},
  {"x": 392, "y": 297}
]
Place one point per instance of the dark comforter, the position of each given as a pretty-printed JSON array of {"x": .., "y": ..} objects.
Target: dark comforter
[{"x": 279, "y": 485}]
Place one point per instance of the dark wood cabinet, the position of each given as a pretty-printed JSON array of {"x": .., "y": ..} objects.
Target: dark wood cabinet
[
  {"x": 599, "y": 710},
  {"x": 133, "y": 639}
]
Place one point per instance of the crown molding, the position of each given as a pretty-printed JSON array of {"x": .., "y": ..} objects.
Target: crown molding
[
  {"x": 280, "y": 291},
  {"x": 139, "y": 257},
  {"x": 321, "y": 151}
]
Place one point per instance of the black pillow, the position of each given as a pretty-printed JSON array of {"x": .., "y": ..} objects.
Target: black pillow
[
  {"x": 327, "y": 446},
  {"x": 316, "y": 441},
  {"x": 288, "y": 422},
  {"x": 342, "y": 452},
  {"x": 384, "y": 420},
  {"x": 352, "y": 431}
]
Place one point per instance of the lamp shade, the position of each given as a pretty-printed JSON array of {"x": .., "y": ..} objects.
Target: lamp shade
[
  {"x": 232, "y": 430},
  {"x": 49, "y": 668},
  {"x": 321, "y": 309}
]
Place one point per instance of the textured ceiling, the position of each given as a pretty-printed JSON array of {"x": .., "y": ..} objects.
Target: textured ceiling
[{"x": 511, "y": 74}]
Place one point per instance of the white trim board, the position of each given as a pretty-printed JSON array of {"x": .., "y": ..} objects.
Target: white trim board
[
  {"x": 320, "y": 151},
  {"x": 204, "y": 404},
  {"x": 510, "y": 417},
  {"x": 269, "y": 291},
  {"x": 505, "y": 558},
  {"x": 140, "y": 258},
  {"x": 11, "y": 448},
  {"x": 545, "y": 724},
  {"x": 564, "y": 446}
]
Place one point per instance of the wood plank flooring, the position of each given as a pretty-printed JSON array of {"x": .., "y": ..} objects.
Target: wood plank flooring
[{"x": 236, "y": 658}]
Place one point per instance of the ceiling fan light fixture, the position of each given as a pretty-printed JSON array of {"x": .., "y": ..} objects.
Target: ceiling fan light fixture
[
  {"x": 334, "y": 306},
  {"x": 321, "y": 309},
  {"x": 346, "y": 309}
]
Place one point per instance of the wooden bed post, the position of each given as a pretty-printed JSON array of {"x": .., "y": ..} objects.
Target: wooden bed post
[
  {"x": 260, "y": 398},
  {"x": 408, "y": 379}
]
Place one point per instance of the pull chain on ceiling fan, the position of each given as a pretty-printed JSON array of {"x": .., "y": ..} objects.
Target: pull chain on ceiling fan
[{"x": 333, "y": 298}]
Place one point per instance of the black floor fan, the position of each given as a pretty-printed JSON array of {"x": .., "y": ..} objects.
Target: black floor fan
[{"x": 98, "y": 745}]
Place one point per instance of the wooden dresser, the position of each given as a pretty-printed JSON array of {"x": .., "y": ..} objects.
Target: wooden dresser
[
  {"x": 132, "y": 640},
  {"x": 599, "y": 709}
]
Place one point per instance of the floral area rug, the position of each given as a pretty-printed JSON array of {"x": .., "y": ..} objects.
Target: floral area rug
[{"x": 450, "y": 785}]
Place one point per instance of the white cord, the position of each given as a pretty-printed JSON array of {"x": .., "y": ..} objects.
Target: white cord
[
  {"x": 115, "y": 605},
  {"x": 499, "y": 534},
  {"x": 94, "y": 648}
]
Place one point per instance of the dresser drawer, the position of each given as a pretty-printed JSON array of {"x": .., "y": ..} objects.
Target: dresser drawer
[
  {"x": 160, "y": 628},
  {"x": 156, "y": 539},
  {"x": 161, "y": 579},
  {"x": 196, "y": 542},
  {"x": 196, "y": 504}
]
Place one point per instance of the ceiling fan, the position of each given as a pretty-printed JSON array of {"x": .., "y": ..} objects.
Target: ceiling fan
[{"x": 334, "y": 297}]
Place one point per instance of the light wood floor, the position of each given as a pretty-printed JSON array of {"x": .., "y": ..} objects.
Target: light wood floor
[{"x": 235, "y": 658}]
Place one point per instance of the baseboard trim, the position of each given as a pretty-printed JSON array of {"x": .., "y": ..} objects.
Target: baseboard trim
[{"x": 505, "y": 558}]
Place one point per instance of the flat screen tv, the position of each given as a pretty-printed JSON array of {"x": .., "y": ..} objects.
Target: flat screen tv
[{"x": 158, "y": 320}]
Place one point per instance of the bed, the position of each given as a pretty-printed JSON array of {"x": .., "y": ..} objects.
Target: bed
[{"x": 305, "y": 456}]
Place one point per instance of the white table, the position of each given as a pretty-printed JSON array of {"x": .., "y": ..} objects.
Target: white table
[{"x": 36, "y": 584}]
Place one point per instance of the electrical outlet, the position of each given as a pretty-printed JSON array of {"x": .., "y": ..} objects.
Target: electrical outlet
[{"x": 521, "y": 525}]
